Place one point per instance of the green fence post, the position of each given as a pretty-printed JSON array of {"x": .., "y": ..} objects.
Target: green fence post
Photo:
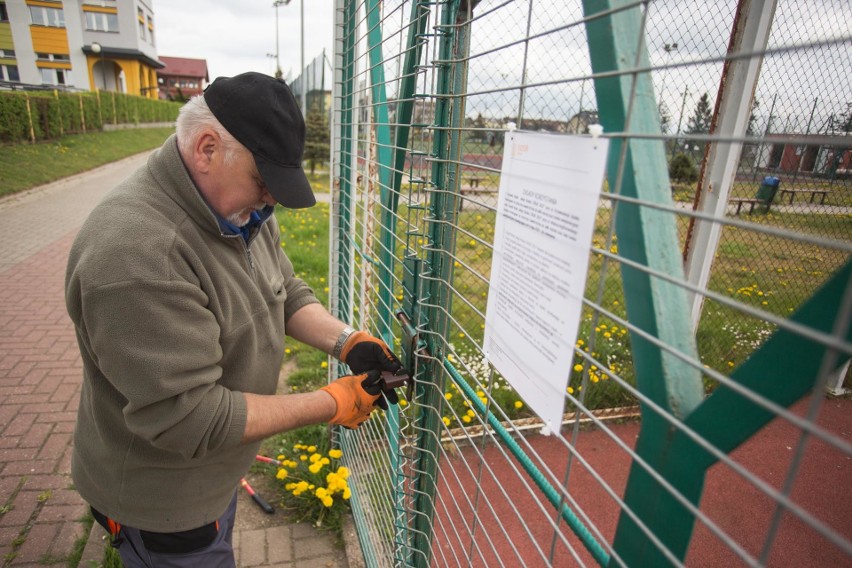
[
  {"x": 347, "y": 163},
  {"x": 637, "y": 168},
  {"x": 444, "y": 204},
  {"x": 389, "y": 196}
]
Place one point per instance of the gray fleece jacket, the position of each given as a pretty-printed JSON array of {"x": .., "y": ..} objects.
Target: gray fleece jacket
[{"x": 175, "y": 321}]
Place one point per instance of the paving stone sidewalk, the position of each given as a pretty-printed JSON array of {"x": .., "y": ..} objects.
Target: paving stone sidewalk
[{"x": 40, "y": 380}]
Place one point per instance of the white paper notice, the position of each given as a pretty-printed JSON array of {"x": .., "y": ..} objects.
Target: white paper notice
[{"x": 549, "y": 190}]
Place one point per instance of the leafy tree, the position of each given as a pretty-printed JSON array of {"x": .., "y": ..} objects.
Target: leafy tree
[
  {"x": 682, "y": 168},
  {"x": 316, "y": 137},
  {"x": 699, "y": 122},
  {"x": 752, "y": 118},
  {"x": 843, "y": 123},
  {"x": 478, "y": 122},
  {"x": 665, "y": 118}
]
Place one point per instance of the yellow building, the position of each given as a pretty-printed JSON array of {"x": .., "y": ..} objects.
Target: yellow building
[{"x": 79, "y": 44}]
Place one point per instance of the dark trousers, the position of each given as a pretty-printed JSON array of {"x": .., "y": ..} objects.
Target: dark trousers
[{"x": 205, "y": 547}]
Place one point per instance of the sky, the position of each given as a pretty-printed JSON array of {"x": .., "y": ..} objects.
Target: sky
[{"x": 236, "y": 36}]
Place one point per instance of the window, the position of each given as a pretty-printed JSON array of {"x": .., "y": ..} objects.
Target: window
[
  {"x": 140, "y": 17},
  {"x": 4, "y": 15},
  {"x": 53, "y": 57},
  {"x": 7, "y": 53},
  {"x": 98, "y": 22},
  {"x": 42, "y": 16},
  {"x": 55, "y": 76},
  {"x": 9, "y": 73},
  {"x": 151, "y": 28}
]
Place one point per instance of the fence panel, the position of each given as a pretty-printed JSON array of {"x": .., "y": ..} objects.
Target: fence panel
[{"x": 717, "y": 308}]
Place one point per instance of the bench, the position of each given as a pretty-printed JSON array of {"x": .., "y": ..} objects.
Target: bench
[
  {"x": 750, "y": 201},
  {"x": 814, "y": 192},
  {"x": 473, "y": 181}
]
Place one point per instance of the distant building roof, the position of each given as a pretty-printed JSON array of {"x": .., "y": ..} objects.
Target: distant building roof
[{"x": 184, "y": 67}]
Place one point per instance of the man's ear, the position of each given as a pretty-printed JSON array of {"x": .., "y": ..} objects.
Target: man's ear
[{"x": 204, "y": 151}]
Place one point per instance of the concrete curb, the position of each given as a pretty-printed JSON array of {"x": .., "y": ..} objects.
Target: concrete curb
[
  {"x": 354, "y": 554},
  {"x": 93, "y": 553}
]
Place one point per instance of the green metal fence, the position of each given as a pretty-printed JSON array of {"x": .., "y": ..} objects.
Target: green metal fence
[{"x": 717, "y": 309}]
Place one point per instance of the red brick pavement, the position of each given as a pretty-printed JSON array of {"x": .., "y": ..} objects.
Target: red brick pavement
[{"x": 39, "y": 391}]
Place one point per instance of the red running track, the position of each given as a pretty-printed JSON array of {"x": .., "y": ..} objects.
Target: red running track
[{"x": 510, "y": 528}]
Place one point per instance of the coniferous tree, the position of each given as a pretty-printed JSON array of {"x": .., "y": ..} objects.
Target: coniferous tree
[
  {"x": 699, "y": 122},
  {"x": 316, "y": 137}
]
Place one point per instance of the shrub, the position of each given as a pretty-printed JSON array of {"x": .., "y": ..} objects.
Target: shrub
[{"x": 682, "y": 168}]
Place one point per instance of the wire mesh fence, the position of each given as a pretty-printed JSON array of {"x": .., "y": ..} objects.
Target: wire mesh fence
[{"x": 718, "y": 300}]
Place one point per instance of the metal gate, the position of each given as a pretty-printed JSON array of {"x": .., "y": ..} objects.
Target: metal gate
[{"x": 718, "y": 302}]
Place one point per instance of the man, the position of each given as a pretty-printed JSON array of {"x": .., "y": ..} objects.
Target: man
[{"x": 181, "y": 297}]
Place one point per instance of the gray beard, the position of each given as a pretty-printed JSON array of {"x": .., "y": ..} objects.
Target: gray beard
[{"x": 238, "y": 221}]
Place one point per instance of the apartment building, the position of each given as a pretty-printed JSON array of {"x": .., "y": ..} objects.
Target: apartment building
[{"x": 80, "y": 44}]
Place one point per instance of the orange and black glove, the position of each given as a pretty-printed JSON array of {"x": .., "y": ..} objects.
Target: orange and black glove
[
  {"x": 363, "y": 352},
  {"x": 356, "y": 397}
]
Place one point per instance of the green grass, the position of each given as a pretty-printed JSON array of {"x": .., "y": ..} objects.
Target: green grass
[{"x": 23, "y": 166}]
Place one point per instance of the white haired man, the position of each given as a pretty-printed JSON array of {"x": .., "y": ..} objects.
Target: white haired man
[{"x": 181, "y": 296}]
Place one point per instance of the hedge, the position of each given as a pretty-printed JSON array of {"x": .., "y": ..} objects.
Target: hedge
[{"x": 31, "y": 116}]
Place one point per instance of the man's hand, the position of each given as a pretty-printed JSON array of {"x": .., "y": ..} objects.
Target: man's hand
[
  {"x": 363, "y": 352},
  {"x": 356, "y": 396}
]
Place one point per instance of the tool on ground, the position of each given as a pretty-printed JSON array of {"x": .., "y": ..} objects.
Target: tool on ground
[
  {"x": 265, "y": 459},
  {"x": 267, "y": 508}
]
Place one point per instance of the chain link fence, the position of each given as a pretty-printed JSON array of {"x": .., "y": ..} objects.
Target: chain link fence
[{"x": 717, "y": 306}]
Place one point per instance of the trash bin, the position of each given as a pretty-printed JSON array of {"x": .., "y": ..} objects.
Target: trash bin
[{"x": 767, "y": 190}]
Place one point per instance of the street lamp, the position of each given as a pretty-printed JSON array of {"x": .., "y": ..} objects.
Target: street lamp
[
  {"x": 303, "y": 87},
  {"x": 275, "y": 4},
  {"x": 669, "y": 47},
  {"x": 98, "y": 50}
]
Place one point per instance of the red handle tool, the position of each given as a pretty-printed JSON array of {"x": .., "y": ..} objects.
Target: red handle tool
[{"x": 257, "y": 498}]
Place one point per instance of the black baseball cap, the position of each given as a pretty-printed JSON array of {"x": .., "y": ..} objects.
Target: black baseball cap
[{"x": 262, "y": 114}]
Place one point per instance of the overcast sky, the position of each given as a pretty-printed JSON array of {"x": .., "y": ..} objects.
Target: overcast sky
[{"x": 235, "y": 36}]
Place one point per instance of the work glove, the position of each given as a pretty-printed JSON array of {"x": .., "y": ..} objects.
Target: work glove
[
  {"x": 355, "y": 396},
  {"x": 363, "y": 352}
]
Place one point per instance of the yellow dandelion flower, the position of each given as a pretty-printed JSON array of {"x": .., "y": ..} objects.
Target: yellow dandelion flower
[
  {"x": 446, "y": 421},
  {"x": 466, "y": 419},
  {"x": 324, "y": 364},
  {"x": 448, "y": 395},
  {"x": 282, "y": 474},
  {"x": 519, "y": 404},
  {"x": 578, "y": 367},
  {"x": 403, "y": 402},
  {"x": 336, "y": 454}
]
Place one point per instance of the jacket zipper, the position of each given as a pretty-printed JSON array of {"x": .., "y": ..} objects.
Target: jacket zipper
[{"x": 250, "y": 259}]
